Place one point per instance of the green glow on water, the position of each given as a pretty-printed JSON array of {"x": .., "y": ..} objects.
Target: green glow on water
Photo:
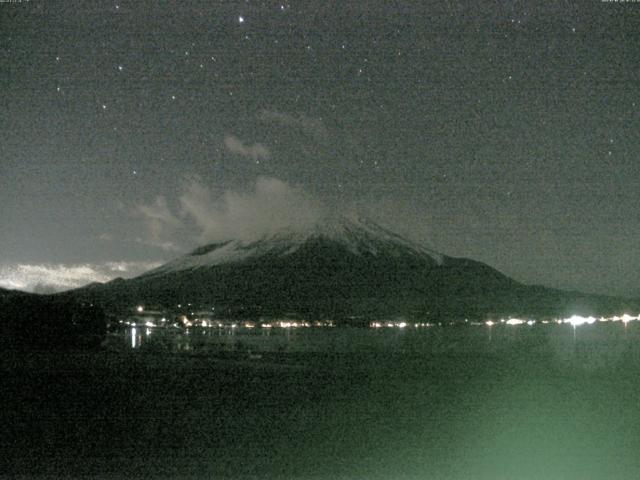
[{"x": 541, "y": 406}]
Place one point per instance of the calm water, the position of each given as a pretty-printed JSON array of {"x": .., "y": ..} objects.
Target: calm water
[
  {"x": 601, "y": 338},
  {"x": 451, "y": 403}
]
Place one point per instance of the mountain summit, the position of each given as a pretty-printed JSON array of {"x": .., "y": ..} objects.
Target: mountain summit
[
  {"x": 354, "y": 235},
  {"x": 341, "y": 268}
]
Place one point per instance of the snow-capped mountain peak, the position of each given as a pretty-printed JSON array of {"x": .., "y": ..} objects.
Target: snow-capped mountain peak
[{"x": 357, "y": 235}]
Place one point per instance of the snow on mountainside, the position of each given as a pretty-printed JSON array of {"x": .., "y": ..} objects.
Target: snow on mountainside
[
  {"x": 341, "y": 268},
  {"x": 357, "y": 235}
]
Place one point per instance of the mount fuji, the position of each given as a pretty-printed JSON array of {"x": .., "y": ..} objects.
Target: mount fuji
[
  {"x": 354, "y": 236},
  {"x": 340, "y": 268}
]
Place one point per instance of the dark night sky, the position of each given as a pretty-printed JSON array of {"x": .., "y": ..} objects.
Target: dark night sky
[{"x": 504, "y": 131}]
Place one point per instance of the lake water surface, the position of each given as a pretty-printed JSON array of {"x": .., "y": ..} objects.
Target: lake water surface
[
  {"x": 600, "y": 338},
  {"x": 506, "y": 402}
]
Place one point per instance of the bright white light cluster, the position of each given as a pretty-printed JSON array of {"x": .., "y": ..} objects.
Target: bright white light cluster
[
  {"x": 515, "y": 321},
  {"x": 399, "y": 324},
  {"x": 577, "y": 320},
  {"x": 574, "y": 320}
]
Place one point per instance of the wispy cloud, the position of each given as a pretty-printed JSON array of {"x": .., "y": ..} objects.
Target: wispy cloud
[
  {"x": 269, "y": 205},
  {"x": 160, "y": 222},
  {"x": 166, "y": 245},
  {"x": 47, "y": 278},
  {"x": 264, "y": 207},
  {"x": 255, "y": 152}
]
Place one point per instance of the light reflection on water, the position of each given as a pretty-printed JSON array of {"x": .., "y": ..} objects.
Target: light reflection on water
[
  {"x": 561, "y": 338},
  {"x": 133, "y": 333}
]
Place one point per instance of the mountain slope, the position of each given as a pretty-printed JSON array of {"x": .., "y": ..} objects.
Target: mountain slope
[
  {"x": 341, "y": 268},
  {"x": 5, "y": 293},
  {"x": 357, "y": 236}
]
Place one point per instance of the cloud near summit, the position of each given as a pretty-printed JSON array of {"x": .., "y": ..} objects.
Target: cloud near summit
[{"x": 266, "y": 206}]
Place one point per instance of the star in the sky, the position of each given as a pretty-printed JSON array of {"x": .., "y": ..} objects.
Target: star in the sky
[{"x": 86, "y": 96}]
